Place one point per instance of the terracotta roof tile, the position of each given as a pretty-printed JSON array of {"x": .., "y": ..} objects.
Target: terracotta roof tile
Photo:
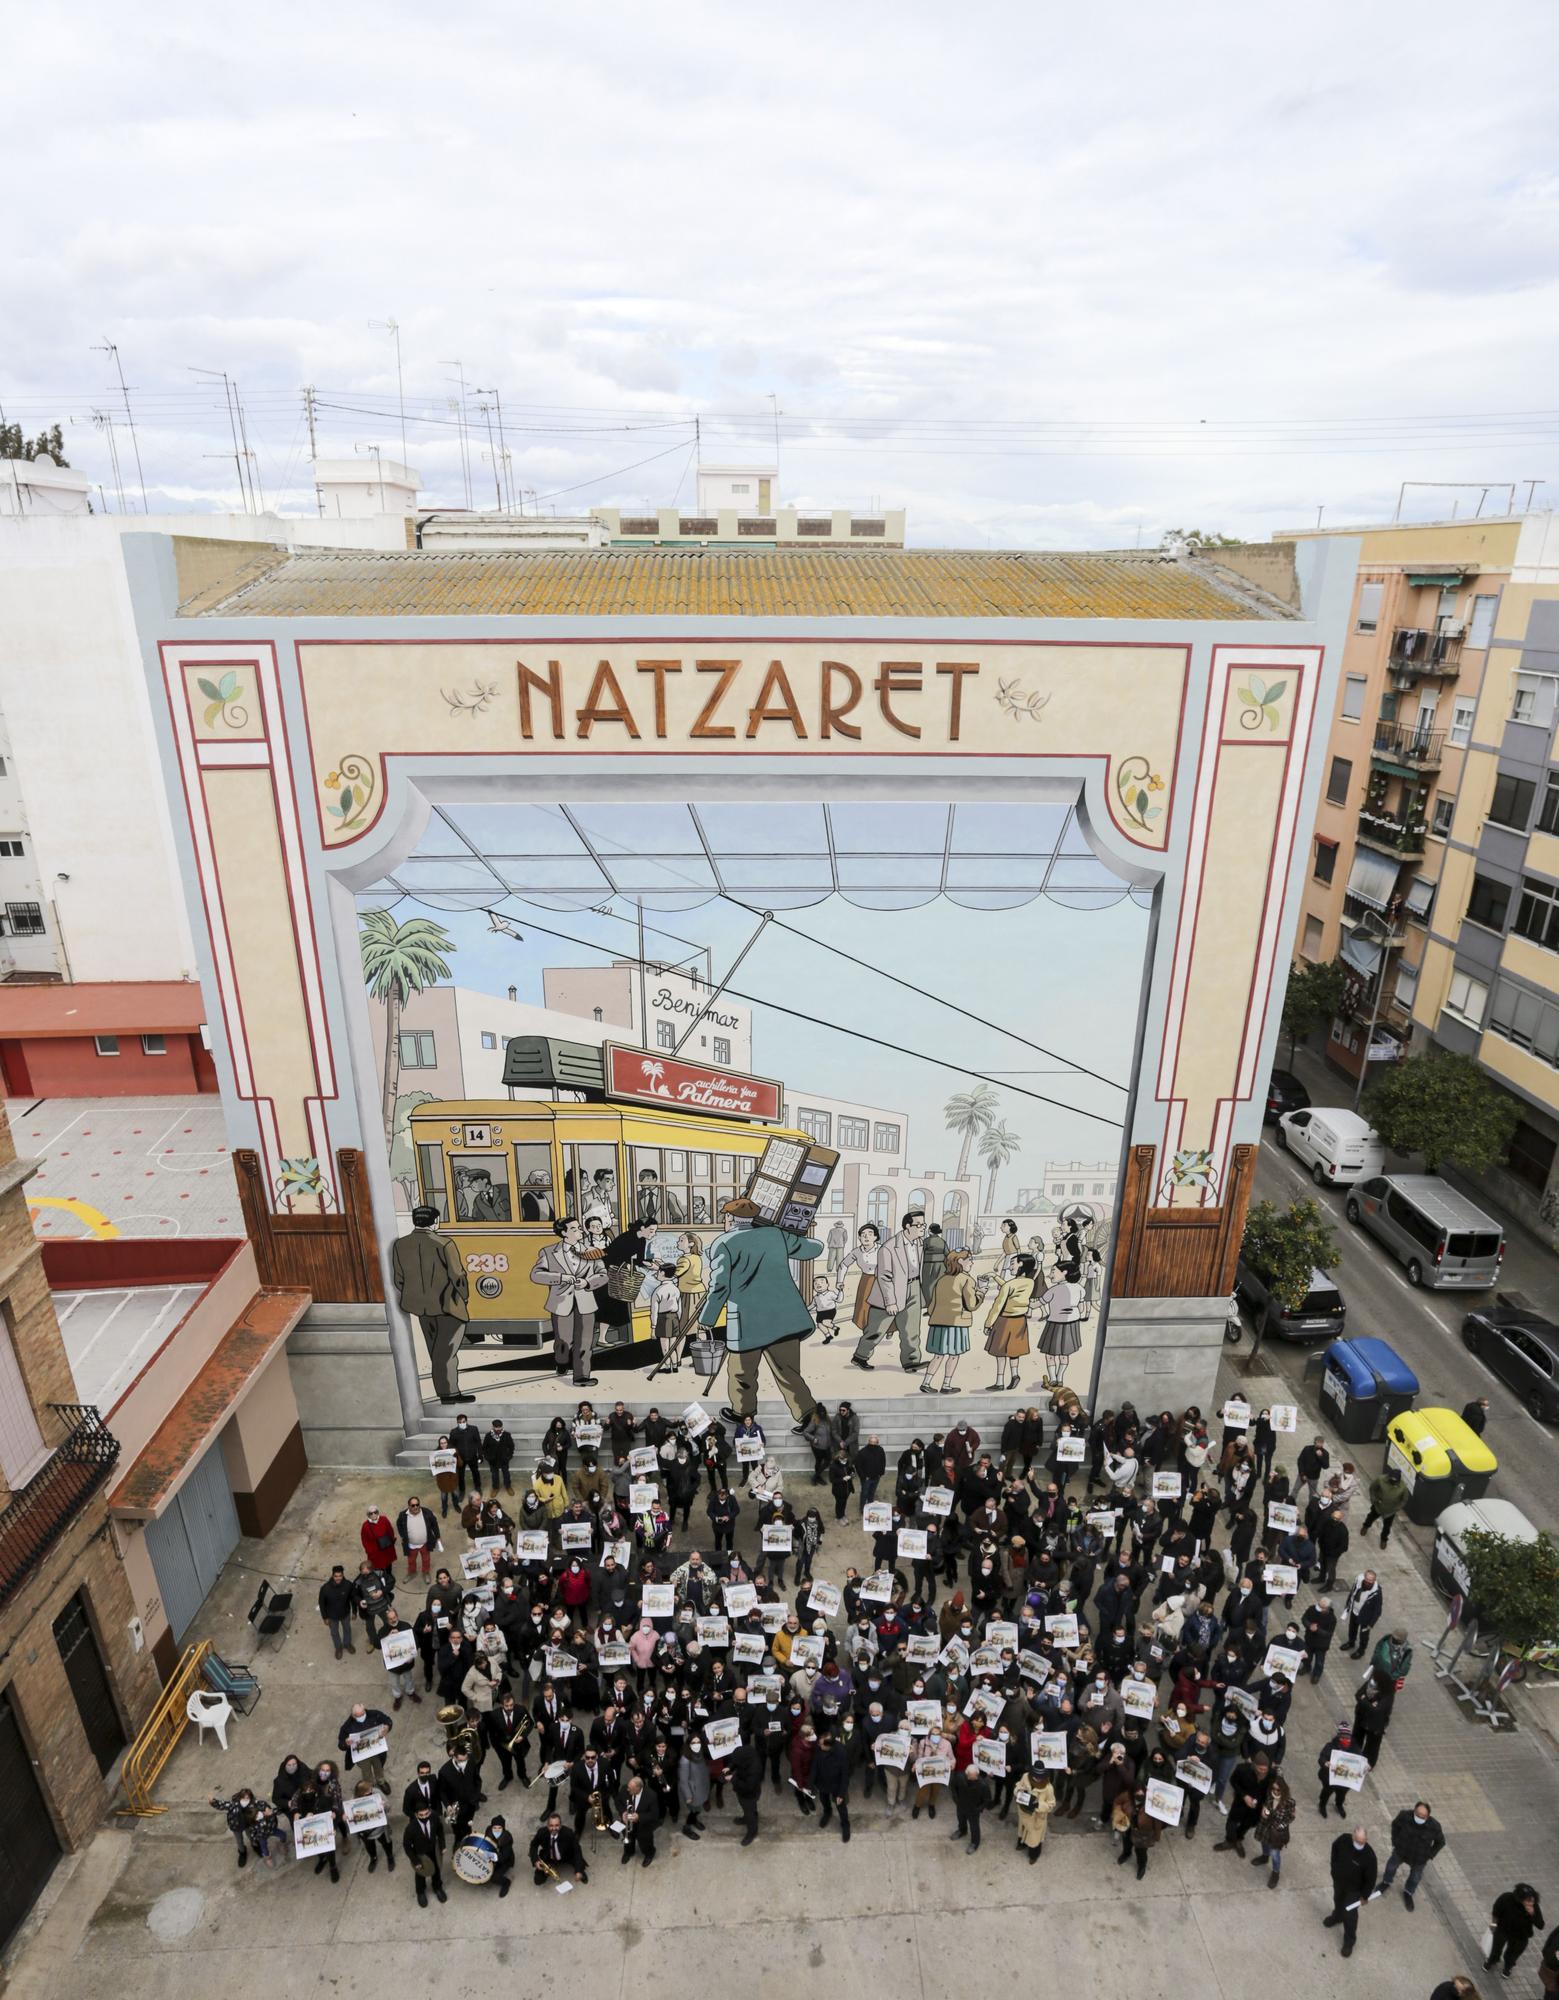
[{"x": 876, "y": 583}]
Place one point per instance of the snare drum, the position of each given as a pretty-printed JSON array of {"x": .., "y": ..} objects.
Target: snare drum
[{"x": 475, "y": 1859}]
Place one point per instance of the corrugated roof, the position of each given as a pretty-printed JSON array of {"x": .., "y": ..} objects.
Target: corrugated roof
[
  {"x": 876, "y": 583},
  {"x": 126, "y": 1007}
]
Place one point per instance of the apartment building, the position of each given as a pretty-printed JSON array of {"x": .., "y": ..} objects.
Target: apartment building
[
  {"x": 1434, "y": 865},
  {"x": 1489, "y": 980},
  {"x": 1424, "y": 606}
]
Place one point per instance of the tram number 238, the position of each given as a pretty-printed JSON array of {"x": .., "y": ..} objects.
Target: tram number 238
[{"x": 484, "y": 1261}]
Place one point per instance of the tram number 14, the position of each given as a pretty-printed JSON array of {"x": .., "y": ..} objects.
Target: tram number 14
[{"x": 486, "y": 1260}]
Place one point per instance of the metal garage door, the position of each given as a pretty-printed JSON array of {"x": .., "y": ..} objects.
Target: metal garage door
[
  {"x": 193, "y": 1539},
  {"x": 29, "y": 1846}
]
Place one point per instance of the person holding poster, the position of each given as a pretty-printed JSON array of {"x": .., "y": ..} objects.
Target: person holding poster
[
  {"x": 765, "y": 1315},
  {"x": 365, "y": 1738},
  {"x": 366, "y": 1816},
  {"x": 1036, "y": 1799}
]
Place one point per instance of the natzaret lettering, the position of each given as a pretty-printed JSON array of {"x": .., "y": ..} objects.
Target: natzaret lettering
[{"x": 740, "y": 700}]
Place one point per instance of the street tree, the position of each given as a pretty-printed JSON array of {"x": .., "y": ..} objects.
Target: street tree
[
  {"x": 1442, "y": 1106},
  {"x": 1312, "y": 1000},
  {"x": 1514, "y": 1587},
  {"x": 1284, "y": 1247}
]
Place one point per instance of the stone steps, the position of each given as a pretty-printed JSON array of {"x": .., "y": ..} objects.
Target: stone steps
[{"x": 896, "y": 1421}]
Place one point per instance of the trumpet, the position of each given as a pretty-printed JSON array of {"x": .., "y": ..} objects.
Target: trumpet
[{"x": 546, "y": 1868}]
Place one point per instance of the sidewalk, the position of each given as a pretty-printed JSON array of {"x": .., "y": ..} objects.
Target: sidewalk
[{"x": 1495, "y": 1793}]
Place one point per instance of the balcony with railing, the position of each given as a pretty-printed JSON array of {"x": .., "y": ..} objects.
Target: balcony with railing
[
  {"x": 1382, "y": 829},
  {"x": 35, "y": 1518},
  {"x": 1417, "y": 653},
  {"x": 1407, "y": 746}
]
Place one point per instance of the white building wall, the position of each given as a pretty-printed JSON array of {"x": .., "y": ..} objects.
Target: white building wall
[{"x": 73, "y": 697}]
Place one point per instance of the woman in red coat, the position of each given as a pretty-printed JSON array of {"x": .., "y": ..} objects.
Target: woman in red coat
[
  {"x": 378, "y": 1535},
  {"x": 969, "y": 1733}
]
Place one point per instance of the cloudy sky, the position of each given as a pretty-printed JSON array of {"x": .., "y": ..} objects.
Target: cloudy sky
[{"x": 1045, "y": 277}]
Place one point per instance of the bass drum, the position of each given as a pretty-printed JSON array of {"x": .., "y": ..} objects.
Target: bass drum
[{"x": 475, "y": 1859}]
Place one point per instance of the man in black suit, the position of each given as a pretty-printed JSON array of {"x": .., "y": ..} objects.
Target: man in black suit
[
  {"x": 459, "y": 1786},
  {"x": 592, "y": 1773},
  {"x": 1354, "y": 1869},
  {"x": 746, "y": 1769},
  {"x": 557, "y": 1847},
  {"x": 500, "y": 1726},
  {"x": 422, "y": 1791},
  {"x": 641, "y": 1816},
  {"x": 423, "y": 1846},
  {"x": 564, "y": 1743}
]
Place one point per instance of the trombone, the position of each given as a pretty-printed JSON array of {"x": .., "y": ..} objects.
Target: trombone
[{"x": 600, "y": 1811}]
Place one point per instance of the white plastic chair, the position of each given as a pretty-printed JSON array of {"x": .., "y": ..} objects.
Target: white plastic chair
[{"x": 209, "y": 1711}]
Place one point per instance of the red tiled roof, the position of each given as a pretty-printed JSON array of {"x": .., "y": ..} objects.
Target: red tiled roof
[
  {"x": 128, "y": 1007},
  {"x": 208, "y": 1401}
]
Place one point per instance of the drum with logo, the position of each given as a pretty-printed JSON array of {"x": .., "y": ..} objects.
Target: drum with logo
[{"x": 475, "y": 1859}]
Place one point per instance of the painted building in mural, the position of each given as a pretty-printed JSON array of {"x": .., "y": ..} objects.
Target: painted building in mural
[{"x": 1008, "y": 842}]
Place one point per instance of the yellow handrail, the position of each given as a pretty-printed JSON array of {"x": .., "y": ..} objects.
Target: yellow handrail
[{"x": 159, "y": 1734}]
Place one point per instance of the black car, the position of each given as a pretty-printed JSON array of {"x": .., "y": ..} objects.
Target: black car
[
  {"x": 1285, "y": 1093},
  {"x": 1321, "y": 1314},
  {"x": 1522, "y": 1348}
]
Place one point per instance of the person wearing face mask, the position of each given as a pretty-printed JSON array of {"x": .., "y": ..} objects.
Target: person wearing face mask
[
  {"x": 321, "y": 1792},
  {"x": 693, "y": 1785},
  {"x": 801, "y": 1751},
  {"x": 1354, "y": 1869},
  {"x": 422, "y": 1843},
  {"x": 459, "y": 1788},
  {"x": 290, "y": 1774},
  {"x": 1416, "y": 1838},
  {"x": 831, "y": 1779},
  {"x": 240, "y": 1813}
]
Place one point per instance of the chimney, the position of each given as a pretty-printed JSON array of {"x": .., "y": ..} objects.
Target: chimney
[{"x": 514, "y": 993}]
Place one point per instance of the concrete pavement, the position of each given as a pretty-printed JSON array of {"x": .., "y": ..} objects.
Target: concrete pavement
[{"x": 160, "y": 1902}]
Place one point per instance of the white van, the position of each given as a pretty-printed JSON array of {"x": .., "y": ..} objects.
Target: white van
[
  {"x": 1339, "y": 1147},
  {"x": 1448, "y": 1562}
]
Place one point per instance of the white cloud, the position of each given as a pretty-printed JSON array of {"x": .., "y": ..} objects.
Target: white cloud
[{"x": 1138, "y": 219}]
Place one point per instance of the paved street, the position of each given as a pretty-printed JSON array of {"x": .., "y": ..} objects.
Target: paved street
[
  {"x": 127, "y": 1166},
  {"x": 159, "y": 1903},
  {"x": 1425, "y": 1327}
]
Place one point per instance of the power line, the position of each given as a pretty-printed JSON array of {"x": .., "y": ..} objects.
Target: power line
[
  {"x": 832, "y": 1027},
  {"x": 1080, "y": 1069}
]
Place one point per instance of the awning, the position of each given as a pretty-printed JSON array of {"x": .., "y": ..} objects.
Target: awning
[
  {"x": 1360, "y": 954},
  {"x": 1435, "y": 579},
  {"x": 1373, "y": 878},
  {"x": 770, "y": 855},
  {"x": 1420, "y": 894}
]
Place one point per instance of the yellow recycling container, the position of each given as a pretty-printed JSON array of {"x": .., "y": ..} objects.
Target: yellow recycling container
[{"x": 1441, "y": 1460}]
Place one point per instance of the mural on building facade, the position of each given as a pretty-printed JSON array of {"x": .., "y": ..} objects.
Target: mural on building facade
[{"x": 637, "y": 1002}]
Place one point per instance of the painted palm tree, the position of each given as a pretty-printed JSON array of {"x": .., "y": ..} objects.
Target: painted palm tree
[
  {"x": 998, "y": 1144},
  {"x": 969, "y": 1112},
  {"x": 398, "y": 961}
]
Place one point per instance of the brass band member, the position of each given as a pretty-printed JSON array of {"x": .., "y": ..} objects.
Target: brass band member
[
  {"x": 554, "y": 1849},
  {"x": 507, "y": 1729},
  {"x": 641, "y": 1816}
]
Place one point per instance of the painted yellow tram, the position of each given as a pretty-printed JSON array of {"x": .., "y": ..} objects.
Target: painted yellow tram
[{"x": 500, "y": 1170}]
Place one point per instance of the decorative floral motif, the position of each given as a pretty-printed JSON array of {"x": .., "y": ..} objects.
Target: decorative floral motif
[
  {"x": 1135, "y": 780},
  {"x": 353, "y": 786},
  {"x": 1261, "y": 703},
  {"x": 1013, "y": 700},
  {"x": 1192, "y": 1167},
  {"x": 475, "y": 701},
  {"x": 302, "y": 1176},
  {"x": 222, "y": 703}
]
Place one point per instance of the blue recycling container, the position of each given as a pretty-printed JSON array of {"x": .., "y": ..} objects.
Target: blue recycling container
[{"x": 1364, "y": 1384}]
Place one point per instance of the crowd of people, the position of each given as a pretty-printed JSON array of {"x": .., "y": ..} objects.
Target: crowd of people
[{"x": 1102, "y": 1621}]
